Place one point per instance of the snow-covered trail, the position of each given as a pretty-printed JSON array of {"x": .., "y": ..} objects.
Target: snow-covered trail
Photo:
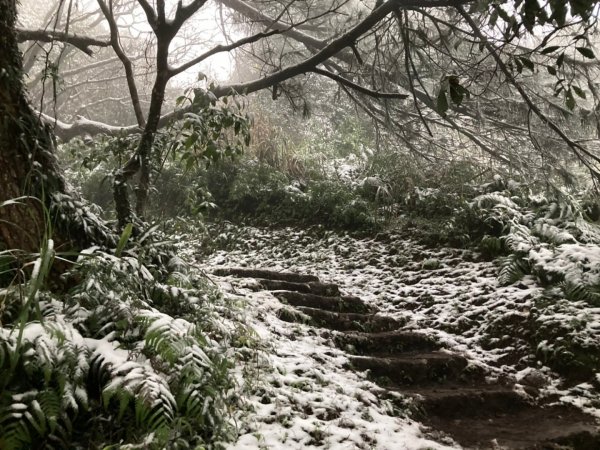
[{"x": 310, "y": 399}]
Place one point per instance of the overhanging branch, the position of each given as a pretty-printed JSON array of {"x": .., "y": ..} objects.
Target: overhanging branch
[
  {"x": 83, "y": 43},
  {"x": 324, "y": 53},
  {"x": 222, "y": 48},
  {"x": 359, "y": 88},
  {"x": 581, "y": 152}
]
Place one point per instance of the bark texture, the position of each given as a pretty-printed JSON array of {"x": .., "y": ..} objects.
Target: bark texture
[
  {"x": 21, "y": 144},
  {"x": 35, "y": 199}
]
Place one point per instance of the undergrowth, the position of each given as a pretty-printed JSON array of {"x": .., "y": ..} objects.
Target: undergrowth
[
  {"x": 134, "y": 356},
  {"x": 264, "y": 195},
  {"x": 550, "y": 240}
]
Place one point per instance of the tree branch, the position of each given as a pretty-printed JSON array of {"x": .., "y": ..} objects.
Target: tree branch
[
  {"x": 83, "y": 126},
  {"x": 357, "y": 87},
  {"x": 150, "y": 14},
  {"x": 127, "y": 65},
  {"x": 333, "y": 48},
  {"x": 222, "y": 48},
  {"x": 309, "y": 64},
  {"x": 577, "y": 149},
  {"x": 273, "y": 24},
  {"x": 83, "y": 43},
  {"x": 94, "y": 65},
  {"x": 183, "y": 13}
]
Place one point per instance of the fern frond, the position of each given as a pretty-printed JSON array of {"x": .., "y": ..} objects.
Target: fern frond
[
  {"x": 579, "y": 291},
  {"x": 492, "y": 199},
  {"x": 132, "y": 380},
  {"x": 512, "y": 269},
  {"x": 519, "y": 238},
  {"x": 552, "y": 234},
  {"x": 28, "y": 417}
]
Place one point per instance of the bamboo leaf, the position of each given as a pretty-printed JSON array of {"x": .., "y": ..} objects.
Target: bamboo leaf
[
  {"x": 586, "y": 52},
  {"x": 124, "y": 238},
  {"x": 442, "y": 103}
]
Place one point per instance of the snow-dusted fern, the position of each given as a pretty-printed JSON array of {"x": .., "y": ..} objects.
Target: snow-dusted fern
[
  {"x": 124, "y": 358},
  {"x": 551, "y": 239}
]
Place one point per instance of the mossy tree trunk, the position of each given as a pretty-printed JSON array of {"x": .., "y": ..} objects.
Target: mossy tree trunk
[{"x": 29, "y": 172}]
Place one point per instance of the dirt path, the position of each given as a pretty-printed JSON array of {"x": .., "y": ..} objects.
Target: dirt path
[{"x": 450, "y": 395}]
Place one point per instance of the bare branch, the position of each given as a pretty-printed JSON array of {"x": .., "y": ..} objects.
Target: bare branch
[
  {"x": 83, "y": 126},
  {"x": 273, "y": 24},
  {"x": 94, "y": 65},
  {"x": 127, "y": 65},
  {"x": 83, "y": 43},
  {"x": 183, "y": 13},
  {"x": 359, "y": 88},
  {"x": 327, "y": 51},
  {"x": 150, "y": 13},
  {"x": 222, "y": 48},
  {"x": 309, "y": 64}
]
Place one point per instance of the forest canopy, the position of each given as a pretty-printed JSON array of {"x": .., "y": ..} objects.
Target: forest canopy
[{"x": 498, "y": 77}]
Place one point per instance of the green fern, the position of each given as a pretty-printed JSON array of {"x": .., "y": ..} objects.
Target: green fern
[
  {"x": 519, "y": 239},
  {"x": 512, "y": 269},
  {"x": 578, "y": 291},
  {"x": 552, "y": 234},
  {"x": 33, "y": 416},
  {"x": 155, "y": 405},
  {"x": 491, "y": 246},
  {"x": 121, "y": 344}
]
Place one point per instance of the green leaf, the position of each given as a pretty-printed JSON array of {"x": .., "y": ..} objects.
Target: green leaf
[
  {"x": 456, "y": 95},
  {"x": 560, "y": 60},
  {"x": 578, "y": 91},
  {"x": 123, "y": 239},
  {"x": 559, "y": 11},
  {"x": 519, "y": 65},
  {"x": 442, "y": 103},
  {"x": 463, "y": 90},
  {"x": 586, "y": 52},
  {"x": 493, "y": 19},
  {"x": 527, "y": 63},
  {"x": 551, "y": 70},
  {"x": 582, "y": 8},
  {"x": 570, "y": 100},
  {"x": 503, "y": 14},
  {"x": 531, "y": 11},
  {"x": 558, "y": 91},
  {"x": 550, "y": 49}
]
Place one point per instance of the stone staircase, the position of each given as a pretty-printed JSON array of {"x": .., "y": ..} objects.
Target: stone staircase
[{"x": 449, "y": 395}]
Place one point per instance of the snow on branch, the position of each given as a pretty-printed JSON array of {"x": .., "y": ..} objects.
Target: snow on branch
[{"x": 83, "y": 43}]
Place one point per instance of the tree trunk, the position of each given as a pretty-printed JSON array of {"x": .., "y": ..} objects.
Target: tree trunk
[
  {"x": 140, "y": 162},
  {"x": 29, "y": 172}
]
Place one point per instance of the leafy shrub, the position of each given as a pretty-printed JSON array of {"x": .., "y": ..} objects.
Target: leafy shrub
[
  {"x": 124, "y": 358},
  {"x": 549, "y": 238},
  {"x": 262, "y": 193}
]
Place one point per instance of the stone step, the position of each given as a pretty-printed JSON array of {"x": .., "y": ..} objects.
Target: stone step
[
  {"x": 344, "y": 321},
  {"x": 388, "y": 342},
  {"x": 413, "y": 368},
  {"x": 462, "y": 400},
  {"x": 541, "y": 428},
  {"x": 265, "y": 274},
  {"x": 344, "y": 304},
  {"x": 313, "y": 287},
  {"x": 450, "y": 397}
]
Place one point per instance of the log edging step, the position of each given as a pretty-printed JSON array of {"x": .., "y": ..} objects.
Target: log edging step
[{"x": 448, "y": 395}]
